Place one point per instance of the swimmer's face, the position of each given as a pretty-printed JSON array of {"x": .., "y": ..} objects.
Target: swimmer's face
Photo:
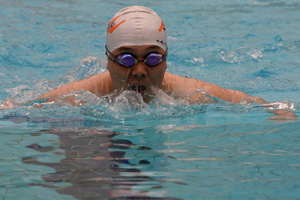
[{"x": 140, "y": 77}]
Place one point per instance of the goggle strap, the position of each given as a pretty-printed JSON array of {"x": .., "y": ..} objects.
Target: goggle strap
[{"x": 108, "y": 56}]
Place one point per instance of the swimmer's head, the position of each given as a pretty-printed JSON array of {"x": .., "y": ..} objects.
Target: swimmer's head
[{"x": 136, "y": 26}]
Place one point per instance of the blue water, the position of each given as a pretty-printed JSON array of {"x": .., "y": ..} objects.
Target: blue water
[{"x": 121, "y": 150}]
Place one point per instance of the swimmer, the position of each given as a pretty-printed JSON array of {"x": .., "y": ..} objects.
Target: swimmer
[{"x": 136, "y": 49}]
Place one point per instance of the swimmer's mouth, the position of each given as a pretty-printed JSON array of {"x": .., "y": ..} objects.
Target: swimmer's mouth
[{"x": 138, "y": 88}]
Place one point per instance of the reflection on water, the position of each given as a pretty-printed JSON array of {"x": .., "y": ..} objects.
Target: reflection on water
[{"x": 96, "y": 166}]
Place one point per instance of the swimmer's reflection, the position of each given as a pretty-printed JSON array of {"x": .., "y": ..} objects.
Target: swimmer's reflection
[{"x": 95, "y": 165}]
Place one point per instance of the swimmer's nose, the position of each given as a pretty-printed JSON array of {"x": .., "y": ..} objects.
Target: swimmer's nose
[{"x": 139, "y": 70}]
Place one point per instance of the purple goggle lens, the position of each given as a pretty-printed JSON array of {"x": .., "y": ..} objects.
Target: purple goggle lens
[{"x": 127, "y": 60}]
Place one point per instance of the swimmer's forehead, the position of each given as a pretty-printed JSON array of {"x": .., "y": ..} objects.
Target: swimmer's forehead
[{"x": 144, "y": 48}]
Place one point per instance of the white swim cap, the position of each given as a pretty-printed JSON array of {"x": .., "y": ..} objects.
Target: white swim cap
[{"x": 136, "y": 25}]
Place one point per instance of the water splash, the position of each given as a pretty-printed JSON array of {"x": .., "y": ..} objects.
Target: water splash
[
  {"x": 129, "y": 105},
  {"x": 289, "y": 105},
  {"x": 88, "y": 66}
]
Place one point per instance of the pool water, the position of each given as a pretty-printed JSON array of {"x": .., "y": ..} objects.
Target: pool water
[{"x": 127, "y": 149}]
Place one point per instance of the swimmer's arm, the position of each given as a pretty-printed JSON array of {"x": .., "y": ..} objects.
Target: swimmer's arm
[
  {"x": 186, "y": 86},
  {"x": 234, "y": 96},
  {"x": 98, "y": 84}
]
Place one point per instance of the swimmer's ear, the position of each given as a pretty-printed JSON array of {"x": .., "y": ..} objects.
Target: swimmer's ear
[
  {"x": 107, "y": 66},
  {"x": 109, "y": 63}
]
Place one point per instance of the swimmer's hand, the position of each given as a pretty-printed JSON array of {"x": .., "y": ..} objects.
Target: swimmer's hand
[
  {"x": 38, "y": 103},
  {"x": 283, "y": 115},
  {"x": 67, "y": 99},
  {"x": 283, "y": 110},
  {"x": 8, "y": 104}
]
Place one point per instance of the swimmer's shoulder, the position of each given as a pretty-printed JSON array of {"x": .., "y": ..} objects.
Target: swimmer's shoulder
[
  {"x": 184, "y": 87},
  {"x": 169, "y": 82},
  {"x": 174, "y": 80},
  {"x": 180, "y": 85},
  {"x": 101, "y": 83}
]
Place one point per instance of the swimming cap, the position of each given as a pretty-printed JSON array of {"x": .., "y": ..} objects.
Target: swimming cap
[{"x": 136, "y": 25}]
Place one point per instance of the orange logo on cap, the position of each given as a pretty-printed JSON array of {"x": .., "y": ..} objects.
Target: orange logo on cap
[
  {"x": 112, "y": 26},
  {"x": 162, "y": 27}
]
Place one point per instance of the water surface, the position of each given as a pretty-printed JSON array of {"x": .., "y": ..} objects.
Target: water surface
[{"x": 164, "y": 150}]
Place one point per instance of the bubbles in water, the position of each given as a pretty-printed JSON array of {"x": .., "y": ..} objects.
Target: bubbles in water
[
  {"x": 282, "y": 105},
  {"x": 88, "y": 66},
  {"x": 231, "y": 57},
  {"x": 24, "y": 93},
  {"x": 129, "y": 100},
  {"x": 255, "y": 54},
  {"x": 130, "y": 106},
  {"x": 162, "y": 98}
]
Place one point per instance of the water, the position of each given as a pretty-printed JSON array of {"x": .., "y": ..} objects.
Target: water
[{"x": 164, "y": 150}]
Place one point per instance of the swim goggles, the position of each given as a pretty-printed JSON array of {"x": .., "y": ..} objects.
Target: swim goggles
[{"x": 127, "y": 60}]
